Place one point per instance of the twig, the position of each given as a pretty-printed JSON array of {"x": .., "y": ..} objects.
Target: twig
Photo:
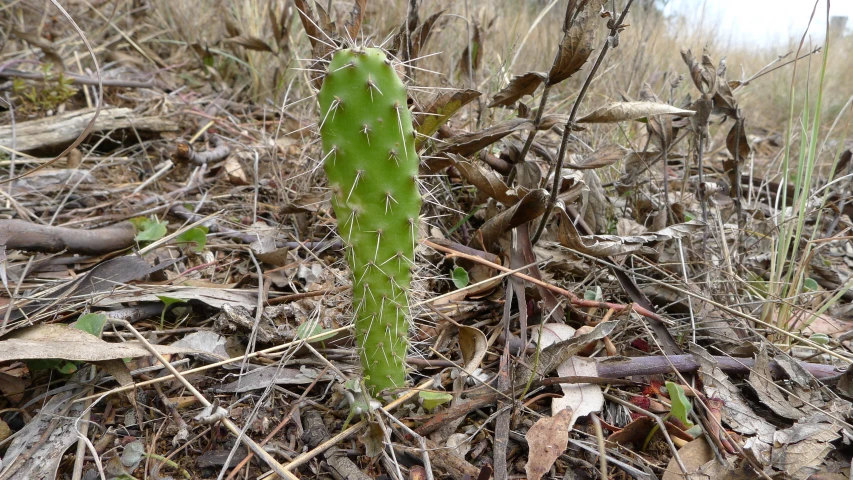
[
  {"x": 421, "y": 441},
  {"x": 75, "y": 78},
  {"x": 570, "y": 123}
]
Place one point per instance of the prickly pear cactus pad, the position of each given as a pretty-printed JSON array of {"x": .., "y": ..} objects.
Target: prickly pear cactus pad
[{"x": 372, "y": 167}]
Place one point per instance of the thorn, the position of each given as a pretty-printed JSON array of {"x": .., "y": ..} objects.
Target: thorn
[
  {"x": 365, "y": 129},
  {"x": 372, "y": 86},
  {"x": 388, "y": 200},
  {"x": 358, "y": 174}
]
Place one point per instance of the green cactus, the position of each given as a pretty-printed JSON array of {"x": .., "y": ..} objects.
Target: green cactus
[{"x": 372, "y": 166}]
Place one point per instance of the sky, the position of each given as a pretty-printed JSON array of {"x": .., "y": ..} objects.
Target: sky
[{"x": 763, "y": 22}]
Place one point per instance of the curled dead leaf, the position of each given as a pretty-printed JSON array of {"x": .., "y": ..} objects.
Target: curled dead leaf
[{"x": 622, "y": 111}]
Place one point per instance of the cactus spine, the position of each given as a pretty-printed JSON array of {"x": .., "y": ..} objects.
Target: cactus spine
[{"x": 372, "y": 166}]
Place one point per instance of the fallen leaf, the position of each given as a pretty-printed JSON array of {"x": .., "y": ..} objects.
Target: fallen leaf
[
  {"x": 61, "y": 341},
  {"x": 547, "y": 439},
  {"x": 761, "y": 380},
  {"x": 581, "y": 398},
  {"x": 693, "y": 455}
]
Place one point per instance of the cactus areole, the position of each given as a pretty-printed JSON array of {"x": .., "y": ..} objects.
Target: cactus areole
[{"x": 372, "y": 166}]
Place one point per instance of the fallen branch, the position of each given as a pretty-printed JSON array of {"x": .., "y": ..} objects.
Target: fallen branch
[
  {"x": 21, "y": 235},
  {"x": 610, "y": 372}
]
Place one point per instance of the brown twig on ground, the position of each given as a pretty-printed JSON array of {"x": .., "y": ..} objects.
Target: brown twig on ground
[{"x": 21, "y": 235}]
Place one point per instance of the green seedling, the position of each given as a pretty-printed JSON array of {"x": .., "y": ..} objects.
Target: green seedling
[
  {"x": 148, "y": 230},
  {"x": 372, "y": 167}
]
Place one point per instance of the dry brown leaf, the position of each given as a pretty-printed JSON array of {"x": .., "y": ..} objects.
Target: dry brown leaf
[
  {"x": 603, "y": 157},
  {"x": 695, "y": 454},
  {"x": 474, "y": 345},
  {"x": 546, "y": 439},
  {"x": 469, "y": 143},
  {"x": 487, "y": 182},
  {"x": 252, "y": 43},
  {"x": 439, "y": 111},
  {"x": 531, "y": 207},
  {"x": 422, "y": 34},
  {"x": 574, "y": 49},
  {"x": 356, "y": 15},
  {"x": 622, "y": 111},
  {"x": 761, "y": 379},
  {"x": 12, "y": 387},
  {"x": 735, "y": 410},
  {"x": 519, "y": 86}
]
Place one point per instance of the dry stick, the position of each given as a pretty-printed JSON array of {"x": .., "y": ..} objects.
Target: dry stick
[
  {"x": 421, "y": 442},
  {"x": 530, "y": 136},
  {"x": 259, "y": 451},
  {"x": 570, "y": 123},
  {"x": 571, "y": 296},
  {"x": 76, "y": 78}
]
